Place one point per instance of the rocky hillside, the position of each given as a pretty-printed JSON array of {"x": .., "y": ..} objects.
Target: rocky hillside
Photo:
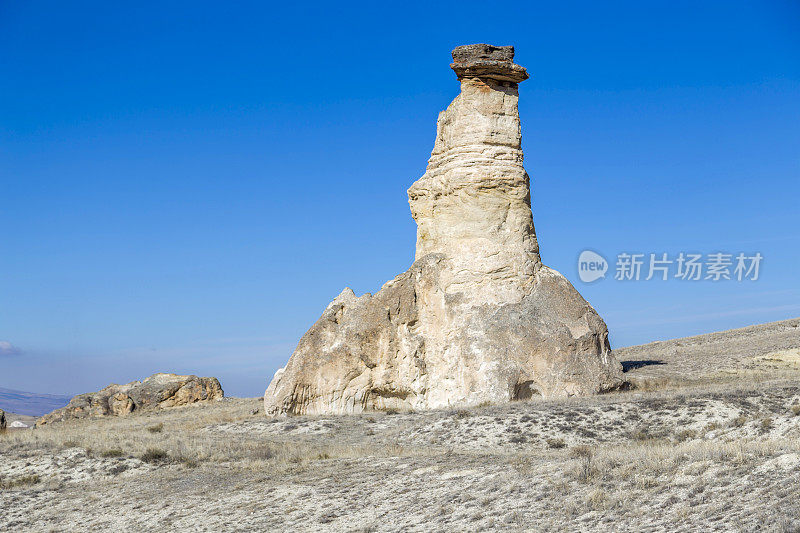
[{"x": 159, "y": 391}]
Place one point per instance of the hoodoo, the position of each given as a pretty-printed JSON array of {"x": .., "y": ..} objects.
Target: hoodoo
[{"x": 478, "y": 317}]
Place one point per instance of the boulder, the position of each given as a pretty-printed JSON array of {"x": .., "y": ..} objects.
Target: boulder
[
  {"x": 477, "y": 318},
  {"x": 159, "y": 391}
]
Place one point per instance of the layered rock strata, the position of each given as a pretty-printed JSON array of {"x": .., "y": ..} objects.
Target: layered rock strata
[{"x": 478, "y": 317}]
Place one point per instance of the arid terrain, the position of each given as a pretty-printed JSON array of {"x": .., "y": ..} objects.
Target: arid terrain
[{"x": 708, "y": 438}]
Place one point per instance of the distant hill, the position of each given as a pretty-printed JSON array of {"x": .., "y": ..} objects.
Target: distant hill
[{"x": 30, "y": 403}]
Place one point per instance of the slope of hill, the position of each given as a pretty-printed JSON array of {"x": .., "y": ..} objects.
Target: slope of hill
[{"x": 771, "y": 347}]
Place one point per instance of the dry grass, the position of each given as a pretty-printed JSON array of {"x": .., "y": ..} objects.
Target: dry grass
[
  {"x": 22, "y": 481},
  {"x": 181, "y": 437},
  {"x": 296, "y": 478},
  {"x": 663, "y": 457}
]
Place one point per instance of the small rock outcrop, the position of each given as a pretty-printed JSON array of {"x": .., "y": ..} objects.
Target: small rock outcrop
[
  {"x": 478, "y": 317},
  {"x": 159, "y": 391},
  {"x": 2, "y": 419}
]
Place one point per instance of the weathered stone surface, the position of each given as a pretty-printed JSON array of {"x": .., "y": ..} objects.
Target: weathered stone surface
[
  {"x": 120, "y": 404},
  {"x": 487, "y": 62},
  {"x": 159, "y": 391},
  {"x": 477, "y": 317}
]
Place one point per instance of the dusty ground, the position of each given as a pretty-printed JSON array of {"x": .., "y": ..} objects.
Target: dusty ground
[
  {"x": 710, "y": 441},
  {"x": 725, "y": 355}
]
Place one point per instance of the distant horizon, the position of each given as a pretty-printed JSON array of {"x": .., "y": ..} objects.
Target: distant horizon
[
  {"x": 4, "y": 392},
  {"x": 186, "y": 187},
  {"x": 30, "y": 403}
]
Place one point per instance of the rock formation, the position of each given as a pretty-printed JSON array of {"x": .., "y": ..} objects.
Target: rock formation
[
  {"x": 478, "y": 317},
  {"x": 2, "y": 419},
  {"x": 159, "y": 391}
]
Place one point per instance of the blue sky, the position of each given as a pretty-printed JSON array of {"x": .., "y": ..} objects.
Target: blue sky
[{"x": 184, "y": 186}]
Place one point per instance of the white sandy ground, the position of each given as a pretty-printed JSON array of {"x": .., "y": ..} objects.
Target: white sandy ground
[
  {"x": 721, "y": 459},
  {"x": 70, "y": 465},
  {"x": 718, "y": 451}
]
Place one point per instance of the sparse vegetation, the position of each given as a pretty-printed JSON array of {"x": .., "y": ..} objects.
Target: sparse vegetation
[
  {"x": 598, "y": 499},
  {"x": 187, "y": 461},
  {"x": 22, "y": 481},
  {"x": 156, "y": 428},
  {"x": 554, "y": 463},
  {"x": 115, "y": 452},
  {"x": 739, "y": 421},
  {"x": 155, "y": 455},
  {"x": 584, "y": 454}
]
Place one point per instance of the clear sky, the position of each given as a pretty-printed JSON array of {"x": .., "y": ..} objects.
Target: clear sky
[{"x": 184, "y": 186}]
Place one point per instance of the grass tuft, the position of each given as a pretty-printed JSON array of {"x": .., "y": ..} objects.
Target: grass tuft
[
  {"x": 155, "y": 456},
  {"x": 115, "y": 452},
  {"x": 22, "y": 481}
]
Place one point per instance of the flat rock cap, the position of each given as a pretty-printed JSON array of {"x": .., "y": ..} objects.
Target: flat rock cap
[{"x": 487, "y": 61}]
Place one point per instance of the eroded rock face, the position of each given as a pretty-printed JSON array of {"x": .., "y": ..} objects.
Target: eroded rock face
[
  {"x": 477, "y": 317},
  {"x": 159, "y": 391},
  {"x": 487, "y": 62}
]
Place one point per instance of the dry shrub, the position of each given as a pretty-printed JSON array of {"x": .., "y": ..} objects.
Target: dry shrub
[
  {"x": 17, "y": 482},
  {"x": 115, "y": 452},
  {"x": 155, "y": 456},
  {"x": 585, "y": 456}
]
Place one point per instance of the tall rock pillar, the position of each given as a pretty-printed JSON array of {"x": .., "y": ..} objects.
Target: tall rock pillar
[
  {"x": 477, "y": 317},
  {"x": 473, "y": 203}
]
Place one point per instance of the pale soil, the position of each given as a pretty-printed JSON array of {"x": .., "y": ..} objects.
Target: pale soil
[{"x": 697, "y": 449}]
